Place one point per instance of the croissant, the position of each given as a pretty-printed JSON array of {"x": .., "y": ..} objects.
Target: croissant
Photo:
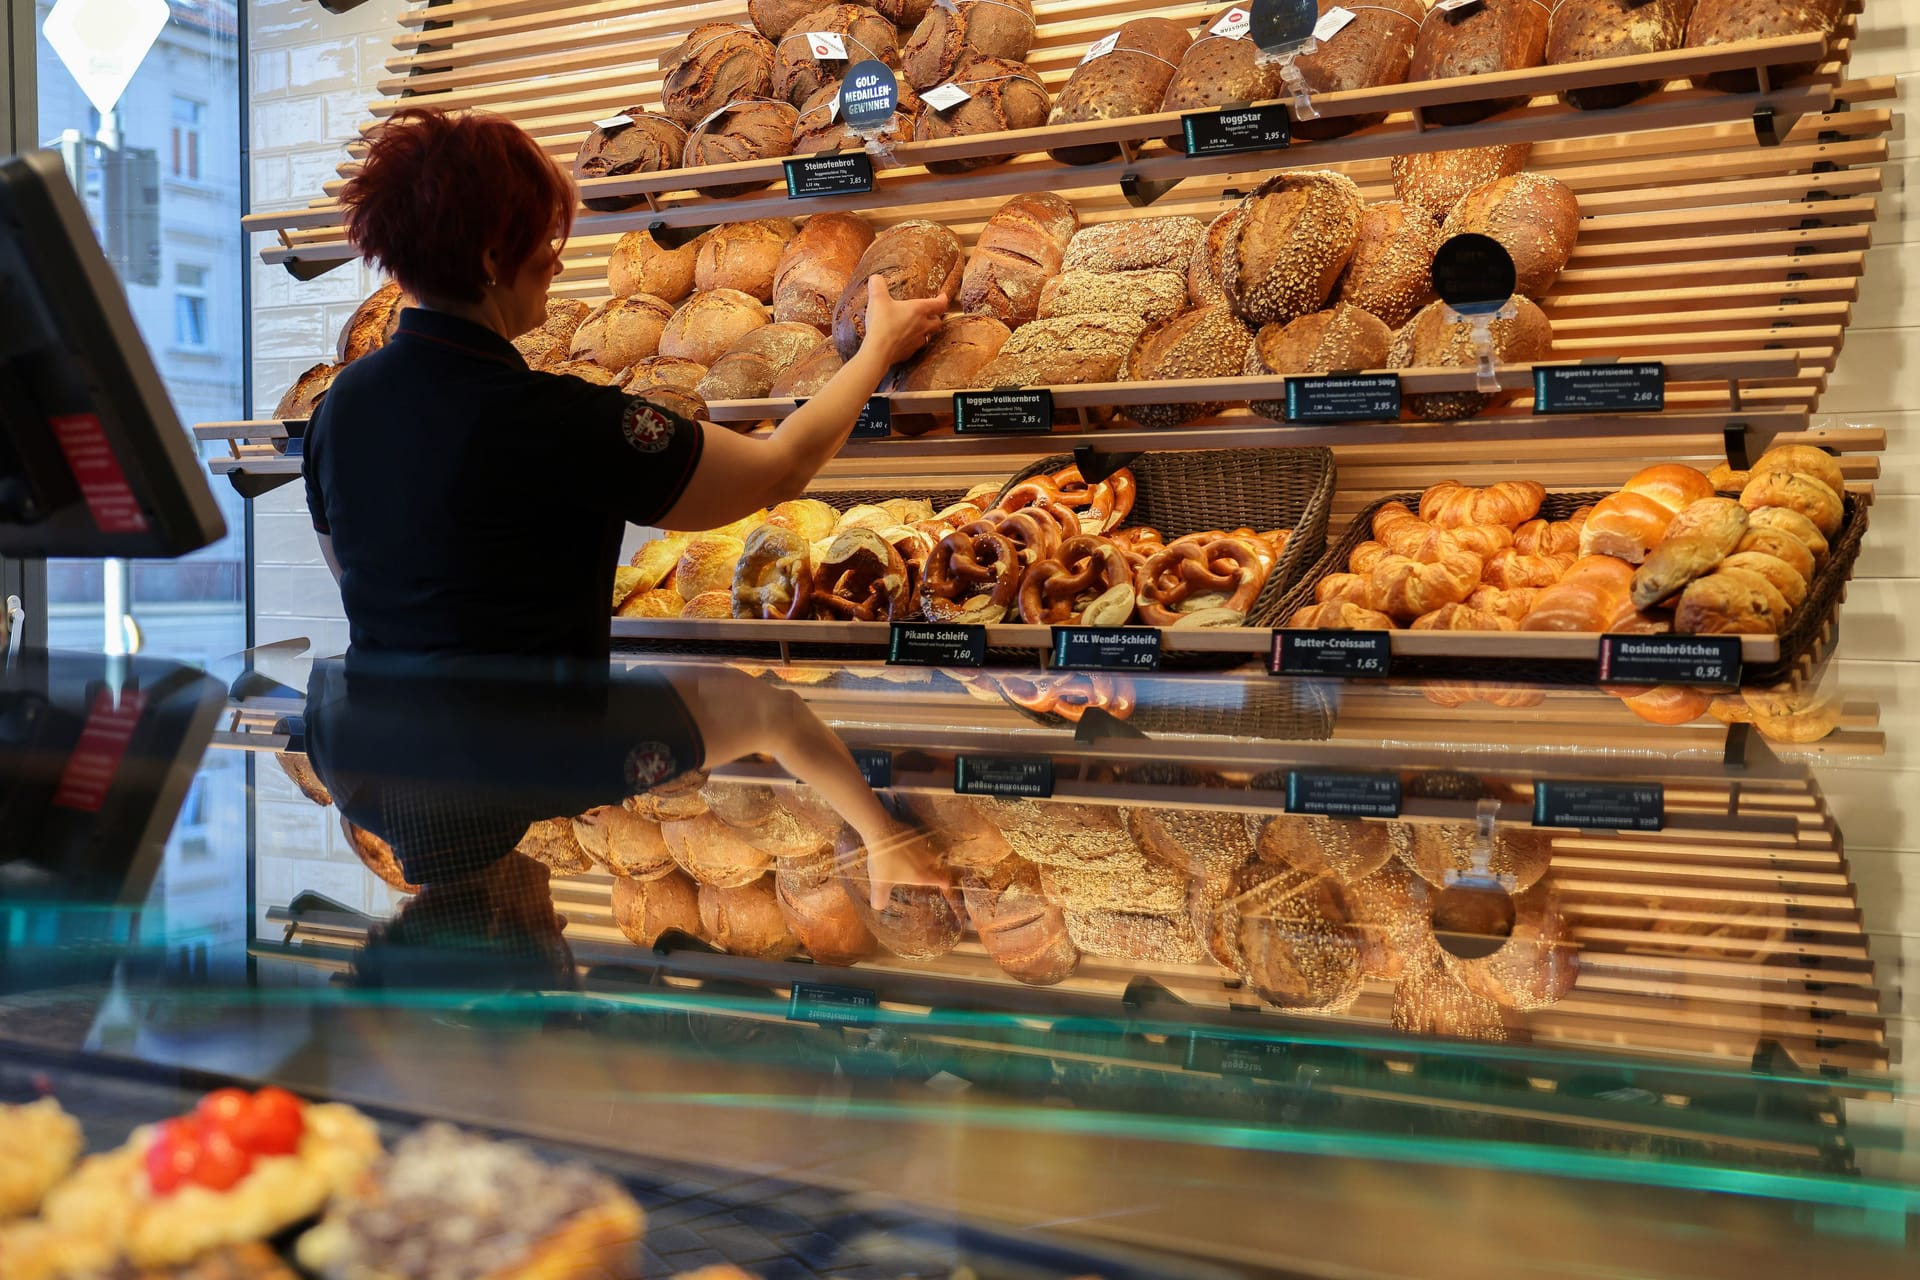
[
  {"x": 1388, "y": 516},
  {"x": 1626, "y": 526},
  {"x": 1512, "y": 603},
  {"x": 1482, "y": 539},
  {"x": 1459, "y": 693},
  {"x": 1365, "y": 556},
  {"x": 1343, "y": 588},
  {"x": 1673, "y": 485},
  {"x": 1510, "y": 502},
  {"x": 1515, "y": 568},
  {"x": 1404, "y": 588},
  {"x": 1341, "y": 616},
  {"x": 1539, "y": 537},
  {"x": 1591, "y": 594},
  {"x": 1461, "y": 617}
]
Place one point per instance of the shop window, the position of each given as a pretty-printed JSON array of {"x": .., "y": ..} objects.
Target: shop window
[
  {"x": 188, "y": 117},
  {"x": 190, "y": 306}
]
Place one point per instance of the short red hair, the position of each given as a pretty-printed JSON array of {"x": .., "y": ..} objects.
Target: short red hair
[{"x": 436, "y": 191}]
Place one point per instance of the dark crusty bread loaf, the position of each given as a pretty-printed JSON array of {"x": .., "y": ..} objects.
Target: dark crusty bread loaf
[
  {"x": 775, "y": 18},
  {"x": 648, "y": 144},
  {"x": 667, "y": 381},
  {"x": 755, "y": 129},
  {"x": 1491, "y": 36},
  {"x": 743, "y": 255},
  {"x": 1200, "y": 342},
  {"x": 798, "y": 72},
  {"x": 718, "y": 63},
  {"x": 1135, "y": 244},
  {"x": 944, "y": 37},
  {"x": 1203, "y": 267},
  {"x": 1586, "y": 30},
  {"x": 1372, "y": 50},
  {"x": 373, "y": 322},
  {"x": 810, "y": 374},
  {"x": 951, "y": 361},
  {"x": 1434, "y": 181},
  {"x": 1129, "y": 80},
  {"x": 1333, "y": 341},
  {"x": 904, "y": 14},
  {"x": 707, "y": 324},
  {"x": 1534, "y": 217},
  {"x": 1152, "y": 295},
  {"x": 1391, "y": 272},
  {"x": 747, "y": 370},
  {"x": 1004, "y": 95},
  {"x": 1428, "y": 340},
  {"x": 821, "y": 127},
  {"x": 1725, "y": 21},
  {"x": 1072, "y": 349},
  {"x": 621, "y": 330},
  {"x": 815, "y": 266},
  {"x": 641, "y": 264},
  {"x": 306, "y": 393},
  {"x": 1218, "y": 71},
  {"x": 1017, "y": 252},
  {"x": 1288, "y": 242},
  {"x": 917, "y": 259}
]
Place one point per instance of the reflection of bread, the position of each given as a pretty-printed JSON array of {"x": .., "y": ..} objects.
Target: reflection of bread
[
  {"x": 1524, "y": 853},
  {"x": 628, "y": 844},
  {"x": 1348, "y": 850},
  {"x": 551, "y": 841},
  {"x": 1787, "y": 716},
  {"x": 1667, "y": 703},
  {"x": 645, "y": 909},
  {"x": 745, "y": 920},
  {"x": 916, "y": 923},
  {"x": 1390, "y": 908},
  {"x": 1139, "y": 936},
  {"x": 1024, "y": 933},
  {"x": 1290, "y": 935},
  {"x": 300, "y": 772},
  {"x": 1430, "y": 1000},
  {"x": 712, "y": 852},
  {"x": 967, "y": 836},
  {"x": 817, "y": 909}
]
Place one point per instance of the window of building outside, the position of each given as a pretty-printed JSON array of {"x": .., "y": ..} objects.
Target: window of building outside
[
  {"x": 190, "y": 306},
  {"x": 188, "y": 115}
]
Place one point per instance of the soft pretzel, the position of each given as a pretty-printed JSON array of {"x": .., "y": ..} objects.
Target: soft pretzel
[
  {"x": 1195, "y": 574},
  {"x": 1100, "y": 507},
  {"x": 1031, "y": 531},
  {"x": 914, "y": 545},
  {"x": 860, "y": 578},
  {"x": 1139, "y": 538},
  {"x": 1339, "y": 615},
  {"x": 1538, "y": 537},
  {"x": 774, "y": 578},
  {"x": 971, "y": 577},
  {"x": 1057, "y": 591},
  {"x": 1510, "y": 503},
  {"x": 1069, "y": 696},
  {"x": 1404, "y": 588},
  {"x": 1513, "y": 568},
  {"x": 1031, "y": 492}
]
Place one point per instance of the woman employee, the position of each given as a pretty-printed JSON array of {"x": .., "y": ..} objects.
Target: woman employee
[{"x": 468, "y": 505}]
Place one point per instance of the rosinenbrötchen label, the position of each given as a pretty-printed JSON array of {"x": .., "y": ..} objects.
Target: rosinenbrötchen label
[
  {"x": 1638, "y": 386},
  {"x": 1712, "y": 661},
  {"x": 1030, "y": 777},
  {"x": 1003, "y": 413},
  {"x": 1600, "y": 806},
  {"x": 937, "y": 644},
  {"x": 1343, "y": 795},
  {"x": 1106, "y": 648},
  {"x": 1299, "y": 652},
  {"x": 818, "y": 1002},
  {"x": 1212, "y": 133},
  {"x": 1343, "y": 397},
  {"x": 837, "y": 173}
]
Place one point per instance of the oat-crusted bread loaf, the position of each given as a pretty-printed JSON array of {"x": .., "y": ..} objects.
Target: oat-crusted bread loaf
[
  {"x": 1201, "y": 342},
  {"x": 754, "y": 129},
  {"x": 747, "y": 370},
  {"x": 373, "y": 322},
  {"x": 1203, "y": 267},
  {"x": 1585, "y": 30},
  {"x": 799, "y": 70},
  {"x": 707, "y": 324},
  {"x": 821, "y": 127},
  {"x": 918, "y": 259},
  {"x": 641, "y": 264},
  {"x": 1478, "y": 40},
  {"x": 1288, "y": 243},
  {"x": 1391, "y": 271},
  {"x": 1017, "y": 252},
  {"x": 1372, "y": 50},
  {"x": 1072, "y": 349},
  {"x": 1428, "y": 340},
  {"x": 1534, "y": 217},
  {"x": 1152, "y": 295},
  {"x": 1130, "y": 79},
  {"x": 1004, "y": 96},
  {"x": 648, "y": 143},
  {"x": 621, "y": 331},
  {"x": 1434, "y": 181},
  {"x": 718, "y": 63},
  {"x": 1135, "y": 244},
  {"x": 1725, "y": 21},
  {"x": 815, "y": 266},
  {"x": 944, "y": 37},
  {"x": 1219, "y": 70},
  {"x": 1343, "y": 337}
]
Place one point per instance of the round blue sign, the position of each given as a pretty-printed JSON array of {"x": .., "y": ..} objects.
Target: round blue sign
[{"x": 868, "y": 95}]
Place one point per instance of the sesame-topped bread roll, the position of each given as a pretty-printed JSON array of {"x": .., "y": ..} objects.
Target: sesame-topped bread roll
[
  {"x": 1391, "y": 271},
  {"x": 1201, "y": 342},
  {"x": 1434, "y": 181},
  {"x": 1288, "y": 243},
  {"x": 1429, "y": 340},
  {"x": 1071, "y": 349}
]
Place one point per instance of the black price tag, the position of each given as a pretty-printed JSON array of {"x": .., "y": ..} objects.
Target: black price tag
[
  {"x": 1344, "y": 397},
  {"x": 876, "y": 766},
  {"x": 1473, "y": 273},
  {"x": 1344, "y": 795},
  {"x": 1330, "y": 653},
  {"x": 1279, "y": 26},
  {"x": 1002, "y": 413},
  {"x": 1212, "y": 133},
  {"x": 845, "y": 1006},
  {"x": 1106, "y": 648},
  {"x": 1600, "y": 806},
  {"x": 1711, "y": 661},
  {"x": 1636, "y": 387},
  {"x": 868, "y": 95},
  {"x": 933, "y": 644},
  {"x": 875, "y": 421},
  {"x": 1027, "y": 776},
  {"x": 838, "y": 173},
  {"x": 1231, "y": 1056}
]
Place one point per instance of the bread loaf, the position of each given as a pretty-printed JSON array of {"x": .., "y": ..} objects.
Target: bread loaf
[
  {"x": 1588, "y": 596},
  {"x": 1478, "y": 40},
  {"x": 1791, "y": 524},
  {"x": 373, "y": 322},
  {"x": 647, "y": 143},
  {"x": 944, "y": 37},
  {"x": 1372, "y": 50},
  {"x": 1090, "y": 348},
  {"x": 1800, "y": 492},
  {"x": 1729, "y": 21},
  {"x": 799, "y": 70},
  {"x": 717, "y": 63},
  {"x": 1288, "y": 243},
  {"x": 552, "y": 342},
  {"x": 304, "y": 396},
  {"x": 1201, "y": 342},
  {"x": 813, "y": 372},
  {"x": 1017, "y": 252},
  {"x": 1291, "y": 937},
  {"x": 645, "y": 909},
  {"x": 1586, "y": 30},
  {"x": 1152, "y": 295},
  {"x": 917, "y": 259},
  {"x": 1024, "y": 932},
  {"x": 1429, "y": 341},
  {"x": 622, "y": 330},
  {"x": 1219, "y": 71},
  {"x": 821, "y": 127},
  {"x": 655, "y": 375},
  {"x": 951, "y": 360},
  {"x": 819, "y": 913},
  {"x": 916, "y": 922},
  {"x": 1332, "y": 341},
  {"x": 815, "y": 266},
  {"x": 745, "y": 920},
  {"x": 1535, "y": 218},
  {"x": 1135, "y": 244},
  {"x": 1804, "y": 458},
  {"x": 1434, "y": 181},
  {"x": 706, "y": 848},
  {"x": 752, "y": 129},
  {"x": 1731, "y": 602},
  {"x": 1130, "y": 79},
  {"x": 707, "y": 324},
  {"x": 1002, "y": 96},
  {"x": 1203, "y": 268},
  {"x": 747, "y": 370},
  {"x": 774, "y": 18},
  {"x": 742, "y": 255},
  {"x": 1391, "y": 271},
  {"x": 640, "y": 264}
]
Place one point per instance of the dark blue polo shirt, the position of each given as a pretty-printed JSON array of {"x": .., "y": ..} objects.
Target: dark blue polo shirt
[{"x": 477, "y": 506}]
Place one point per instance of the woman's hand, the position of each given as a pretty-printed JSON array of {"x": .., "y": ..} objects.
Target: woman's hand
[{"x": 896, "y": 328}]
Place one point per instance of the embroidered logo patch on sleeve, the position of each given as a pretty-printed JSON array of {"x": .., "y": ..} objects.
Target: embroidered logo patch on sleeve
[
  {"x": 646, "y": 428},
  {"x": 648, "y": 764}
]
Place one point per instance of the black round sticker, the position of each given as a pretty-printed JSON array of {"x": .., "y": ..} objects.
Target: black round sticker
[
  {"x": 1277, "y": 25},
  {"x": 1473, "y": 273},
  {"x": 869, "y": 95}
]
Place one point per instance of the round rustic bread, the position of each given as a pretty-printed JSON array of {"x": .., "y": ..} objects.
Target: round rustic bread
[
  {"x": 1201, "y": 342},
  {"x": 819, "y": 913},
  {"x": 815, "y": 266},
  {"x": 645, "y": 909},
  {"x": 821, "y": 127},
  {"x": 1373, "y": 49},
  {"x": 756, "y": 129},
  {"x": 1218, "y": 70},
  {"x": 1429, "y": 340},
  {"x": 810, "y": 374},
  {"x": 1004, "y": 96},
  {"x": 1130, "y": 79},
  {"x": 373, "y": 322},
  {"x": 641, "y": 264},
  {"x": 1391, "y": 272},
  {"x": 1345, "y": 337},
  {"x": 552, "y": 342},
  {"x": 944, "y": 37},
  {"x": 621, "y": 331},
  {"x": 745, "y": 920},
  {"x": 1203, "y": 267},
  {"x": 304, "y": 396},
  {"x": 775, "y": 18},
  {"x": 799, "y": 71},
  {"x": 718, "y": 63},
  {"x": 917, "y": 258},
  {"x": 1535, "y": 218},
  {"x": 747, "y": 370},
  {"x": 742, "y": 255},
  {"x": 1288, "y": 243},
  {"x": 1434, "y": 181},
  {"x": 707, "y": 324},
  {"x": 647, "y": 143}
]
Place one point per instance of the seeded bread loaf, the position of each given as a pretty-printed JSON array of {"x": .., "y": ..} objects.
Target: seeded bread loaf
[
  {"x": 708, "y": 324},
  {"x": 1478, "y": 40},
  {"x": 718, "y": 63},
  {"x": 1069, "y": 350},
  {"x": 1727, "y": 21},
  {"x": 1130, "y": 79},
  {"x": 1372, "y": 50},
  {"x": 1534, "y": 217},
  {"x": 944, "y": 37},
  {"x": 621, "y": 330},
  {"x": 1218, "y": 71},
  {"x": 742, "y": 255},
  {"x": 1586, "y": 30},
  {"x": 647, "y": 144},
  {"x": 1391, "y": 271},
  {"x": 1203, "y": 267},
  {"x": 756, "y": 129},
  {"x": 815, "y": 266},
  {"x": 1333, "y": 341},
  {"x": 1288, "y": 243},
  {"x": 1428, "y": 340},
  {"x": 1135, "y": 244},
  {"x": 1434, "y": 181},
  {"x": 747, "y": 370},
  {"x": 1152, "y": 295},
  {"x": 918, "y": 259},
  {"x": 799, "y": 70},
  {"x": 1003, "y": 95},
  {"x": 1017, "y": 252},
  {"x": 1200, "y": 342},
  {"x": 641, "y": 264}
]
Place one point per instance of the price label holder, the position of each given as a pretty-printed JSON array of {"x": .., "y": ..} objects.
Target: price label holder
[
  {"x": 1344, "y": 397},
  {"x": 1213, "y": 133},
  {"x": 1106, "y": 648},
  {"x": 294, "y": 443},
  {"x": 875, "y": 421},
  {"x": 1284, "y": 32},
  {"x": 836, "y": 173},
  {"x": 1232, "y": 1056},
  {"x": 1600, "y": 806},
  {"x": 1027, "y": 777},
  {"x": 1003, "y": 413},
  {"x": 933, "y": 644},
  {"x": 1330, "y": 653},
  {"x": 1474, "y": 276},
  {"x": 1703, "y": 661},
  {"x": 831, "y": 1006},
  {"x": 1637, "y": 386},
  {"x": 1343, "y": 795},
  {"x": 876, "y": 766}
]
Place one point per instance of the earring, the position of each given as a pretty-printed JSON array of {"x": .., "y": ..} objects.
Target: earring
[{"x": 492, "y": 283}]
